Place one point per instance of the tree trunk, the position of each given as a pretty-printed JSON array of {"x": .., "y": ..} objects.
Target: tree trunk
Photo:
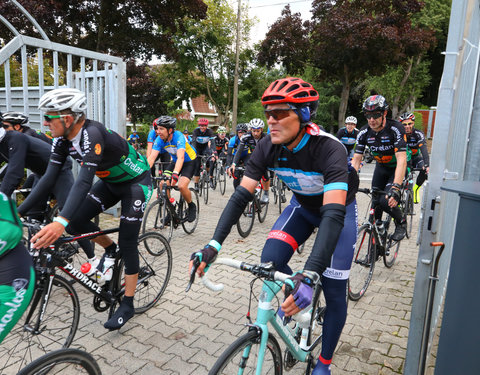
[{"x": 344, "y": 97}]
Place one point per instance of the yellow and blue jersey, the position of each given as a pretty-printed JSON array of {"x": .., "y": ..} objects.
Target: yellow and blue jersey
[{"x": 178, "y": 142}]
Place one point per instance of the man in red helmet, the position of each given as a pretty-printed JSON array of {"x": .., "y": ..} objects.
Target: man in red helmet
[{"x": 314, "y": 165}]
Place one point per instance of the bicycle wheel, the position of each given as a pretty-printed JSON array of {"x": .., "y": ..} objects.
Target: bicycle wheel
[
  {"x": 63, "y": 361},
  {"x": 245, "y": 222},
  {"x": 215, "y": 176},
  {"x": 409, "y": 211},
  {"x": 392, "y": 247},
  {"x": 189, "y": 227},
  {"x": 316, "y": 323},
  {"x": 262, "y": 209},
  {"x": 363, "y": 264},
  {"x": 155, "y": 269},
  {"x": 282, "y": 194},
  {"x": 244, "y": 352},
  {"x": 222, "y": 180},
  {"x": 205, "y": 186},
  {"x": 44, "y": 327},
  {"x": 154, "y": 219}
]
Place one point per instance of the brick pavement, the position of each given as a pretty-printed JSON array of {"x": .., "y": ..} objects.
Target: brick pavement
[{"x": 186, "y": 332}]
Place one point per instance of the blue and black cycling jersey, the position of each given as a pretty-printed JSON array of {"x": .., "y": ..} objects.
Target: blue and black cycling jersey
[
  {"x": 152, "y": 136},
  {"x": 348, "y": 139},
  {"x": 200, "y": 140},
  {"x": 178, "y": 142}
]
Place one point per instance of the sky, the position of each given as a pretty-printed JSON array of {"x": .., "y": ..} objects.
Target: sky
[{"x": 268, "y": 11}]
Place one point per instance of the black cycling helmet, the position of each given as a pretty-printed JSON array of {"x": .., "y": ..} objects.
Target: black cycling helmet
[
  {"x": 375, "y": 103},
  {"x": 407, "y": 116},
  {"x": 15, "y": 118},
  {"x": 242, "y": 127},
  {"x": 165, "y": 122}
]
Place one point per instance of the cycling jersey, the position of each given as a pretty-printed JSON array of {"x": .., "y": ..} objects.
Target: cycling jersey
[
  {"x": 232, "y": 149},
  {"x": 21, "y": 151},
  {"x": 17, "y": 276},
  {"x": 348, "y": 139},
  {"x": 316, "y": 165},
  {"x": 152, "y": 136},
  {"x": 220, "y": 143},
  {"x": 178, "y": 142},
  {"x": 133, "y": 138},
  {"x": 248, "y": 143},
  {"x": 416, "y": 141},
  {"x": 200, "y": 140},
  {"x": 385, "y": 143}
]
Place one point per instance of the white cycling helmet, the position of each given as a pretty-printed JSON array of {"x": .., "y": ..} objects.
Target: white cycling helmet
[
  {"x": 15, "y": 118},
  {"x": 351, "y": 120},
  {"x": 256, "y": 123},
  {"x": 65, "y": 98}
]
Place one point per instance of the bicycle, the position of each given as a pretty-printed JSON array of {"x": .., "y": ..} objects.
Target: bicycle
[
  {"x": 407, "y": 198},
  {"x": 167, "y": 213},
  {"x": 246, "y": 220},
  {"x": 373, "y": 241},
  {"x": 220, "y": 176},
  {"x": 52, "y": 318},
  {"x": 204, "y": 179},
  {"x": 279, "y": 190},
  {"x": 63, "y": 361},
  {"x": 258, "y": 350}
]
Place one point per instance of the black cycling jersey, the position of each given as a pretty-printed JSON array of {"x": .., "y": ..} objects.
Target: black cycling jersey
[
  {"x": 21, "y": 151},
  {"x": 200, "y": 140},
  {"x": 248, "y": 143},
  {"x": 416, "y": 141},
  {"x": 220, "y": 144},
  {"x": 317, "y": 164},
  {"x": 348, "y": 139},
  {"x": 32, "y": 133},
  {"x": 100, "y": 152},
  {"x": 385, "y": 143}
]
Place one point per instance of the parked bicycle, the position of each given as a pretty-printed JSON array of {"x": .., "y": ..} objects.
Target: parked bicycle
[
  {"x": 373, "y": 241},
  {"x": 246, "y": 220},
  {"x": 169, "y": 211},
  {"x": 258, "y": 350},
  {"x": 52, "y": 318}
]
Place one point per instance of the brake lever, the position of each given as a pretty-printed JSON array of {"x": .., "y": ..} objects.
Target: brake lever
[{"x": 193, "y": 271}]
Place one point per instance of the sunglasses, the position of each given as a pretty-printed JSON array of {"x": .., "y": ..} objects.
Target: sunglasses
[
  {"x": 408, "y": 123},
  {"x": 373, "y": 115},
  {"x": 49, "y": 118},
  {"x": 277, "y": 114}
]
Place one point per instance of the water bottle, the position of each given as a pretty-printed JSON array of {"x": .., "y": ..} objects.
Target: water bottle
[{"x": 106, "y": 273}]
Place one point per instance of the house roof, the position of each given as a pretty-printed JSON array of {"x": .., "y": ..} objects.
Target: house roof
[{"x": 200, "y": 105}]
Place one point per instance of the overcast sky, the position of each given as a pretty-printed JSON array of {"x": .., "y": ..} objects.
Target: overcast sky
[{"x": 268, "y": 11}]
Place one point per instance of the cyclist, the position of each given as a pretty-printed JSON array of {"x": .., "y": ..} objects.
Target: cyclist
[
  {"x": 133, "y": 138},
  {"x": 202, "y": 138},
  {"x": 17, "y": 275},
  {"x": 17, "y": 121},
  {"x": 187, "y": 136},
  {"x": 232, "y": 150},
  {"x": 249, "y": 141},
  {"x": 163, "y": 157},
  {"x": 221, "y": 142},
  {"x": 348, "y": 134},
  {"x": 123, "y": 176},
  {"x": 387, "y": 142},
  {"x": 314, "y": 165},
  {"x": 183, "y": 156},
  {"x": 416, "y": 141}
]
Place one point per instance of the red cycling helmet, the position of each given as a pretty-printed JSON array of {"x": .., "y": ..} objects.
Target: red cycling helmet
[
  {"x": 289, "y": 90},
  {"x": 202, "y": 121}
]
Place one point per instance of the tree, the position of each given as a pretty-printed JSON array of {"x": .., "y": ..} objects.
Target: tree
[
  {"x": 207, "y": 49},
  {"x": 126, "y": 28}
]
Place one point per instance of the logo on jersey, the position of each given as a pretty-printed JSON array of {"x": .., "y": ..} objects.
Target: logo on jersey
[{"x": 98, "y": 149}]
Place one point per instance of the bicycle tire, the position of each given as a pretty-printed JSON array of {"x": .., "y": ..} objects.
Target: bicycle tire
[
  {"x": 155, "y": 269},
  {"x": 214, "y": 176},
  {"x": 282, "y": 196},
  {"x": 61, "y": 362},
  {"x": 56, "y": 330},
  {"x": 300, "y": 248},
  {"x": 409, "y": 211},
  {"x": 222, "y": 180},
  {"x": 189, "y": 227},
  {"x": 274, "y": 189},
  {"x": 315, "y": 331},
  {"x": 262, "y": 209},
  {"x": 205, "y": 186},
  {"x": 228, "y": 362},
  {"x": 153, "y": 220},
  {"x": 245, "y": 222},
  {"x": 392, "y": 247},
  {"x": 363, "y": 263}
]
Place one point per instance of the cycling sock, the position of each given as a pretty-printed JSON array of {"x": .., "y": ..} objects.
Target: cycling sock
[
  {"x": 322, "y": 367},
  {"x": 112, "y": 249},
  {"x": 122, "y": 315}
]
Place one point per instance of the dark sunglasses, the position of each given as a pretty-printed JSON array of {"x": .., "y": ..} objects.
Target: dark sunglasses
[
  {"x": 408, "y": 123},
  {"x": 49, "y": 118},
  {"x": 373, "y": 115},
  {"x": 277, "y": 114}
]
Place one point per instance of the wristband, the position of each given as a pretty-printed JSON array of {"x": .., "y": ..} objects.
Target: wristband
[
  {"x": 61, "y": 220},
  {"x": 215, "y": 245}
]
